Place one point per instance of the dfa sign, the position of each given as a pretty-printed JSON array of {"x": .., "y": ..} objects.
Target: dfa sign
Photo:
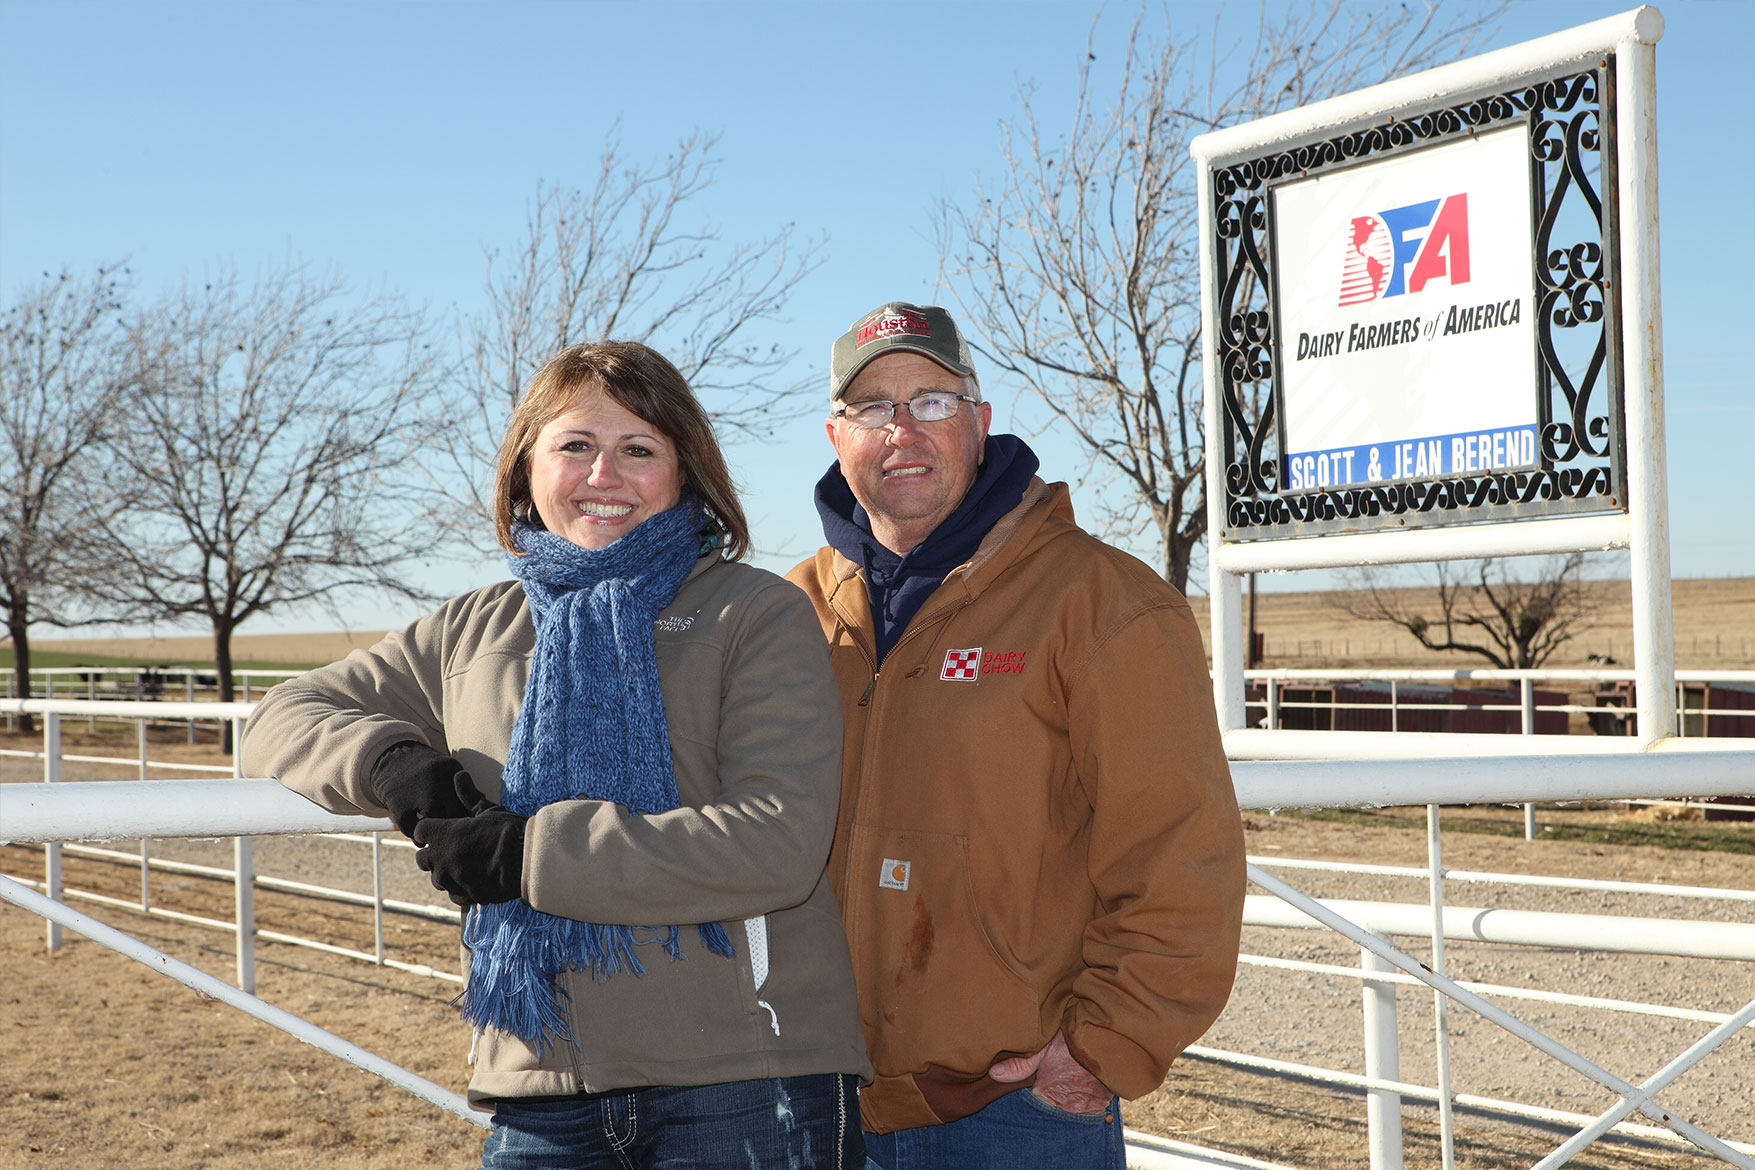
[
  {"x": 1407, "y": 317},
  {"x": 1413, "y": 317}
]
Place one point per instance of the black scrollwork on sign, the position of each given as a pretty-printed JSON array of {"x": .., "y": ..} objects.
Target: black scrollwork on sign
[{"x": 1579, "y": 457}]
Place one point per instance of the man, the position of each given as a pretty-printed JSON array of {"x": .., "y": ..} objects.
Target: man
[{"x": 1038, "y": 855}]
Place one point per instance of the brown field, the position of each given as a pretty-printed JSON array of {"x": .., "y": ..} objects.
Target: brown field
[
  {"x": 104, "y": 1064},
  {"x": 1714, "y": 620},
  {"x": 314, "y": 649}
]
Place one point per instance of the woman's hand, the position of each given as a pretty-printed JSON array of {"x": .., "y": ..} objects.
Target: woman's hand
[
  {"x": 415, "y": 782},
  {"x": 476, "y": 860}
]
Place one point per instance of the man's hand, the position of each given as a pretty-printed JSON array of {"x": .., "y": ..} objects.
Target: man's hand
[{"x": 1060, "y": 1079}]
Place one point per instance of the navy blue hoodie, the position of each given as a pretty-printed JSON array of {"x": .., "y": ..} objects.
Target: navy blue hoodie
[{"x": 900, "y": 585}]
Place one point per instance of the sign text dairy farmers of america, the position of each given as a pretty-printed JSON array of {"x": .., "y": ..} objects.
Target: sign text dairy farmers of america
[{"x": 1406, "y": 326}]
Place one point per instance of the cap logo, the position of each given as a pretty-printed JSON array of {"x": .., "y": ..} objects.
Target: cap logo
[{"x": 882, "y": 327}]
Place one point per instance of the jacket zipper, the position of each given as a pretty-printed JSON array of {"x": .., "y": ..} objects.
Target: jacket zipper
[
  {"x": 937, "y": 617},
  {"x": 574, "y": 1056},
  {"x": 914, "y": 631}
]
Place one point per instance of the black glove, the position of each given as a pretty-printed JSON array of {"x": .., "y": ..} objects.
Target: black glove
[
  {"x": 413, "y": 781},
  {"x": 476, "y": 860}
]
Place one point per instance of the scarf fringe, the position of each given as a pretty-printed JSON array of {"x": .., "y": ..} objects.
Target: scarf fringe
[{"x": 517, "y": 952}]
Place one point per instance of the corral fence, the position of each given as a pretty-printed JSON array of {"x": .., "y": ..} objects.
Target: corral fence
[
  {"x": 1544, "y": 701},
  {"x": 1290, "y": 648},
  {"x": 141, "y": 684},
  {"x": 59, "y": 815},
  {"x": 1717, "y": 704},
  {"x": 1708, "y": 703}
]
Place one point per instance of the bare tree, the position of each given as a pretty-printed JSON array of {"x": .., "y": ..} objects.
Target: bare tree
[
  {"x": 1479, "y": 607},
  {"x": 59, "y": 390},
  {"x": 626, "y": 258},
  {"x": 263, "y": 456},
  {"x": 1080, "y": 264}
]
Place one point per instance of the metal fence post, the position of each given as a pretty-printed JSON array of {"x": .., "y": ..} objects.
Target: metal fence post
[
  {"x": 1440, "y": 1005},
  {"x": 378, "y": 895},
  {"x": 244, "y": 853},
  {"x": 52, "y": 851},
  {"x": 145, "y": 844},
  {"x": 1383, "y": 1107},
  {"x": 1527, "y": 689},
  {"x": 1273, "y": 704}
]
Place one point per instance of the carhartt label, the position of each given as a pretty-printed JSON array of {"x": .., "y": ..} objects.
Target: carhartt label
[
  {"x": 894, "y": 875},
  {"x": 961, "y": 665}
]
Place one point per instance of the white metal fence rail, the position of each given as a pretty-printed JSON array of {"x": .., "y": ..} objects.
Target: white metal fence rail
[
  {"x": 242, "y": 873},
  {"x": 141, "y": 684}
]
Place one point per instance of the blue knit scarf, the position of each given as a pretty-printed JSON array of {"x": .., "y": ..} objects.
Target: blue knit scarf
[{"x": 591, "y": 724}]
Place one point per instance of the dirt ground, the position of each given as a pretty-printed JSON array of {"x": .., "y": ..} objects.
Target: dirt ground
[{"x": 104, "y": 1063}]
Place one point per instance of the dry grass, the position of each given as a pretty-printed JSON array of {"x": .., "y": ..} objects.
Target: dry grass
[
  {"x": 1713, "y": 619},
  {"x": 109, "y": 1065},
  {"x": 312, "y": 649}
]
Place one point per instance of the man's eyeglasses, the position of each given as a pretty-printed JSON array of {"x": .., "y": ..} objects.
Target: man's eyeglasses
[{"x": 933, "y": 406}]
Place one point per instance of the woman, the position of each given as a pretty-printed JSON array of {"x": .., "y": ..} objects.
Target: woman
[{"x": 637, "y": 742}]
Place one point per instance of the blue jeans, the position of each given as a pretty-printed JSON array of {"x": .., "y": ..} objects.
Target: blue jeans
[
  {"x": 810, "y": 1121},
  {"x": 1016, "y": 1132}
]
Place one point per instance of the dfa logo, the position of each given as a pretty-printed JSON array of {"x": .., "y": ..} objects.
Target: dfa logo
[{"x": 1398, "y": 251}]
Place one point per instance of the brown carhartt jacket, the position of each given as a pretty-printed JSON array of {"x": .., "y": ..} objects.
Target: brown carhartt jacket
[{"x": 1038, "y": 831}]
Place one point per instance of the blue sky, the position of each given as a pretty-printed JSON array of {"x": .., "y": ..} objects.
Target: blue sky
[{"x": 397, "y": 141}]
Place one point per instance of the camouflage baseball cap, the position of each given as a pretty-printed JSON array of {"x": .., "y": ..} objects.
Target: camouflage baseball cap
[{"x": 922, "y": 329}]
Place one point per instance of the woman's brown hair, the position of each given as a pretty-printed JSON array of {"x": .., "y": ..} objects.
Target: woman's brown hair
[{"x": 642, "y": 381}]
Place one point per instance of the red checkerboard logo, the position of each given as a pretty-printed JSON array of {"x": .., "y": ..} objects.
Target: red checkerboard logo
[{"x": 961, "y": 665}]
